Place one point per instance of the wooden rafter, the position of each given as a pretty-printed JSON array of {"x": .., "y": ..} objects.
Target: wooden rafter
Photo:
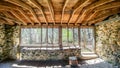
[
  {"x": 23, "y": 13},
  {"x": 86, "y": 4},
  {"x": 80, "y": 8},
  {"x": 8, "y": 20},
  {"x": 97, "y": 20},
  {"x": 16, "y": 21},
  {"x": 50, "y": 6},
  {"x": 23, "y": 5},
  {"x": 2, "y": 21},
  {"x": 47, "y": 12},
  {"x": 89, "y": 9},
  {"x": 108, "y": 6},
  {"x": 17, "y": 16},
  {"x": 8, "y": 15},
  {"x": 103, "y": 16},
  {"x": 40, "y": 8},
  {"x": 63, "y": 10}
]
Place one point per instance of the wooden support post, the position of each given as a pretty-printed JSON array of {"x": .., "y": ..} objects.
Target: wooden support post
[
  {"x": 79, "y": 38},
  {"x": 52, "y": 37},
  {"x": 68, "y": 37},
  {"x": 94, "y": 35},
  {"x": 47, "y": 36},
  {"x": 60, "y": 37},
  {"x": 41, "y": 36}
]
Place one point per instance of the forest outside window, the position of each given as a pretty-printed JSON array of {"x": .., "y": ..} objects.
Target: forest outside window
[{"x": 49, "y": 37}]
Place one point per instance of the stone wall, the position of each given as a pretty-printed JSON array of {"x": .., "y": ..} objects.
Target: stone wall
[
  {"x": 3, "y": 51},
  {"x": 38, "y": 54},
  {"x": 8, "y": 42},
  {"x": 108, "y": 40}
]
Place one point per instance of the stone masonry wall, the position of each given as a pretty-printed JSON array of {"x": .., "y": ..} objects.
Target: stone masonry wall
[
  {"x": 8, "y": 41},
  {"x": 3, "y": 51},
  {"x": 108, "y": 40},
  {"x": 38, "y": 54}
]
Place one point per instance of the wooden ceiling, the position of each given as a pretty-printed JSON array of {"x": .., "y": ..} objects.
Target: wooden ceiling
[{"x": 68, "y": 12}]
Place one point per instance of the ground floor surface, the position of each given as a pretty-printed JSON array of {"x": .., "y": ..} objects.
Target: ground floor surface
[{"x": 93, "y": 63}]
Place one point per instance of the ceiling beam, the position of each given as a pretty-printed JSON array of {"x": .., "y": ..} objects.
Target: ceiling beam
[
  {"x": 35, "y": 3},
  {"x": 88, "y": 9},
  {"x": 10, "y": 16},
  {"x": 114, "y": 4},
  {"x": 80, "y": 8},
  {"x": 16, "y": 21},
  {"x": 26, "y": 16},
  {"x": 23, "y": 5},
  {"x": 103, "y": 16},
  {"x": 50, "y": 6},
  {"x": 97, "y": 20},
  {"x": 17, "y": 16},
  {"x": 104, "y": 7},
  {"x": 88, "y": 2},
  {"x": 8, "y": 20},
  {"x": 2, "y": 21},
  {"x": 63, "y": 10}
]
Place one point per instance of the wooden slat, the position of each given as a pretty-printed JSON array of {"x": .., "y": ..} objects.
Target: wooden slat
[
  {"x": 23, "y": 5},
  {"x": 84, "y": 5},
  {"x": 23, "y": 13},
  {"x": 35, "y": 3},
  {"x": 103, "y": 16},
  {"x": 8, "y": 20},
  {"x": 50, "y": 6},
  {"x": 63, "y": 10},
  {"x": 7, "y": 4},
  {"x": 97, "y": 20},
  {"x": 114, "y": 4},
  {"x": 107, "y": 13},
  {"x": 91, "y": 7},
  {"x": 16, "y": 21},
  {"x": 2, "y": 21},
  {"x": 17, "y": 16},
  {"x": 8, "y": 15},
  {"x": 104, "y": 7},
  {"x": 80, "y": 8}
]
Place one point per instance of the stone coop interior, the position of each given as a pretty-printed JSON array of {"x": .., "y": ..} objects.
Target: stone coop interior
[{"x": 59, "y": 33}]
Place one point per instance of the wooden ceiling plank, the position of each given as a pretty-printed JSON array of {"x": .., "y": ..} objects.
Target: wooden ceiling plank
[
  {"x": 108, "y": 7},
  {"x": 2, "y": 21},
  {"x": 97, "y": 20},
  {"x": 103, "y": 16},
  {"x": 92, "y": 7},
  {"x": 8, "y": 20},
  {"x": 10, "y": 17},
  {"x": 5, "y": 7},
  {"x": 50, "y": 6},
  {"x": 89, "y": 9},
  {"x": 63, "y": 10},
  {"x": 17, "y": 16},
  {"x": 23, "y": 5},
  {"x": 35, "y": 3},
  {"x": 86, "y": 4},
  {"x": 26, "y": 16},
  {"x": 80, "y": 7}
]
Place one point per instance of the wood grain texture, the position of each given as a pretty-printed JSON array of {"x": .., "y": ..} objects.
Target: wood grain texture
[{"x": 59, "y": 11}]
